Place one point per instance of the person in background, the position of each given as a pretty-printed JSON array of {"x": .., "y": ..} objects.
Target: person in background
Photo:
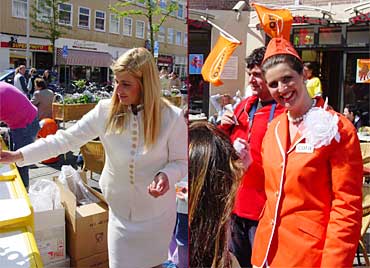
[
  {"x": 221, "y": 103},
  {"x": 174, "y": 81},
  {"x": 20, "y": 80},
  {"x": 252, "y": 117},
  {"x": 21, "y": 117},
  {"x": 145, "y": 143},
  {"x": 163, "y": 78},
  {"x": 31, "y": 82},
  {"x": 353, "y": 115},
  {"x": 313, "y": 83},
  {"x": 47, "y": 77},
  {"x": 214, "y": 175},
  {"x": 313, "y": 174},
  {"x": 43, "y": 99}
]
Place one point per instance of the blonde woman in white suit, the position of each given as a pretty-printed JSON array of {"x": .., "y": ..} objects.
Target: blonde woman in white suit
[{"x": 145, "y": 142}]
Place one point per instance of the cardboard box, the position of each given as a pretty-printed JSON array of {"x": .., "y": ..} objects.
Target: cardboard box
[
  {"x": 65, "y": 263},
  {"x": 96, "y": 261},
  {"x": 50, "y": 234},
  {"x": 86, "y": 225}
]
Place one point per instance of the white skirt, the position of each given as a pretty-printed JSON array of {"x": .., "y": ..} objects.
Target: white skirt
[{"x": 139, "y": 244}]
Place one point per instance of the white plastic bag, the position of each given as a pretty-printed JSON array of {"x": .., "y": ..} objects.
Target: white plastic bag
[
  {"x": 70, "y": 178},
  {"x": 44, "y": 195}
]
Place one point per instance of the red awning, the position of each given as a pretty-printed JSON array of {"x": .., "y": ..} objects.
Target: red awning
[{"x": 84, "y": 58}]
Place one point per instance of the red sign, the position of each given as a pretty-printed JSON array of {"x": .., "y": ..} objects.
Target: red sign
[
  {"x": 361, "y": 18},
  {"x": 310, "y": 20},
  {"x": 24, "y": 46}
]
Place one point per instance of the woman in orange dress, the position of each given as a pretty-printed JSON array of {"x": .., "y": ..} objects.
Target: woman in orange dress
[{"x": 313, "y": 170}]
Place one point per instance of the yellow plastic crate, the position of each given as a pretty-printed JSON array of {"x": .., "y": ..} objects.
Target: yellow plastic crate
[{"x": 19, "y": 248}]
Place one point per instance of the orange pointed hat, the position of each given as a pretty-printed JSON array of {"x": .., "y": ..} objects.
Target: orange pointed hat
[{"x": 279, "y": 46}]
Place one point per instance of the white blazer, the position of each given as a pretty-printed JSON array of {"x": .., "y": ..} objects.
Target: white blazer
[{"x": 128, "y": 168}]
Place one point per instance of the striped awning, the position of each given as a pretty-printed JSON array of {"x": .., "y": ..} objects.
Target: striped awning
[{"x": 84, "y": 58}]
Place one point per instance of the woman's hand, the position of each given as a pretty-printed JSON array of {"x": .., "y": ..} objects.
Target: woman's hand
[
  {"x": 159, "y": 186},
  {"x": 8, "y": 157},
  {"x": 243, "y": 149}
]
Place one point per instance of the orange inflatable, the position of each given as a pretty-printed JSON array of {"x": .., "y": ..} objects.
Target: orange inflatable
[{"x": 48, "y": 126}]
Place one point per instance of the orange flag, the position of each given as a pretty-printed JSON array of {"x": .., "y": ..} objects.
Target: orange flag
[
  {"x": 275, "y": 22},
  {"x": 217, "y": 58}
]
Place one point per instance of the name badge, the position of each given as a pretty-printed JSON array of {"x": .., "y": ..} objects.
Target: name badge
[{"x": 304, "y": 148}]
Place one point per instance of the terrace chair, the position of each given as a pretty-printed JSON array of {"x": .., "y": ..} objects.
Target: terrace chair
[{"x": 93, "y": 156}]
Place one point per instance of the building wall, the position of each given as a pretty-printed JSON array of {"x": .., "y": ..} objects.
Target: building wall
[{"x": 14, "y": 26}]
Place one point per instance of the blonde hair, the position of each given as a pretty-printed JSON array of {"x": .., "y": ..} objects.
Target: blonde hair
[{"x": 138, "y": 62}]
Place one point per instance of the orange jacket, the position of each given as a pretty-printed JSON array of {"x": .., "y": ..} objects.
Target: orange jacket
[{"x": 312, "y": 216}]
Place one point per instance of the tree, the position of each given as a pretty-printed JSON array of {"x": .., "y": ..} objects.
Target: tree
[
  {"x": 45, "y": 19},
  {"x": 153, "y": 9}
]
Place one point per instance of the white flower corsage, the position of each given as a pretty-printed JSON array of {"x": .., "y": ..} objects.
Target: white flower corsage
[{"x": 319, "y": 127}]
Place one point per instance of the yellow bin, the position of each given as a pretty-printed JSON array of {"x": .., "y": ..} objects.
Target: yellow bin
[{"x": 19, "y": 248}]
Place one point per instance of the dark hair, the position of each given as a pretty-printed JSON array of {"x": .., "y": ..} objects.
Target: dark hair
[
  {"x": 352, "y": 108},
  {"x": 255, "y": 58},
  {"x": 311, "y": 66},
  {"x": 39, "y": 82},
  {"x": 214, "y": 174},
  {"x": 292, "y": 61}
]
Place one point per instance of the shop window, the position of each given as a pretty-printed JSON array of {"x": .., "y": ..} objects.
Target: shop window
[
  {"x": 100, "y": 21},
  {"x": 357, "y": 84},
  {"x": 84, "y": 17},
  {"x": 330, "y": 36},
  {"x": 65, "y": 14},
  {"x": 127, "y": 26},
  {"x": 19, "y": 8},
  {"x": 359, "y": 36},
  {"x": 140, "y": 26},
  {"x": 170, "y": 35},
  {"x": 114, "y": 24},
  {"x": 303, "y": 36}
]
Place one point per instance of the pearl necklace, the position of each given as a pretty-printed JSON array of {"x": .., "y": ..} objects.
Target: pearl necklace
[{"x": 296, "y": 120}]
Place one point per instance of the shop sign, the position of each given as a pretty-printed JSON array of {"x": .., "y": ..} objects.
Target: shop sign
[
  {"x": 310, "y": 20},
  {"x": 16, "y": 45},
  {"x": 361, "y": 18},
  {"x": 363, "y": 71},
  {"x": 165, "y": 59},
  {"x": 84, "y": 45}
]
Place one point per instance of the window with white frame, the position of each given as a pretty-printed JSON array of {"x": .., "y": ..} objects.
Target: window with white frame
[
  {"x": 173, "y": 13},
  {"x": 114, "y": 24},
  {"x": 180, "y": 11},
  {"x": 161, "y": 34},
  {"x": 65, "y": 14},
  {"x": 185, "y": 39},
  {"x": 84, "y": 17},
  {"x": 162, "y": 4},
  {"x": 140, "y": 29},
  {"x": 99, "y": 20},
  {"x": 19, "y": 8},
  {"x": 44, "y": 13},
  {"x": 127, "y": 26},
  {"x": 178, "y": 38},
  {"x": 170, "y": 33}
]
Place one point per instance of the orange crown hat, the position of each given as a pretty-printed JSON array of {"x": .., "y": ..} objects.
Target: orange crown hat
[{"x": 279, "y": 46}]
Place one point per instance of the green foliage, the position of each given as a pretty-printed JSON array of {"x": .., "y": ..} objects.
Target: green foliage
[
  {"x": 80, "y": 83},
  {"x": 81, "y": 99},
  {"x": 152, "y": 10}
]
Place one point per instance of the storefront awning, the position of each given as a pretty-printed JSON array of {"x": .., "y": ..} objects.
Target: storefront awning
[{"x": 84, "y": 58}]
